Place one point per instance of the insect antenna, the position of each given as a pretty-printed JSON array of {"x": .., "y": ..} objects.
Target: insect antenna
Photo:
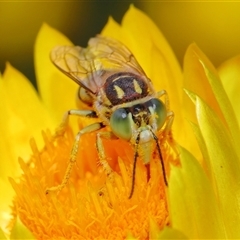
[
  {"x": 134, "y": 166},
  {"x": 161, "y": 158}
]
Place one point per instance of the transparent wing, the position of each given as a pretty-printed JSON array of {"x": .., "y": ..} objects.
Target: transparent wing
[{"x": 102, "y": 57}]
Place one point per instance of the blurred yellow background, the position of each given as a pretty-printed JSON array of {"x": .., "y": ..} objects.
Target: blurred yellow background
[{"x": 214, "y": 26}]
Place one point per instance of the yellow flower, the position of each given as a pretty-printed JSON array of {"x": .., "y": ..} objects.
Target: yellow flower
[
  {"x": 203, "y": 194},
  {"x": 209, "y": 200}
]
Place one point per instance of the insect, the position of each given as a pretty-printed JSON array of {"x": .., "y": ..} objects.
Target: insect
[{"x": 120, "y": 95}]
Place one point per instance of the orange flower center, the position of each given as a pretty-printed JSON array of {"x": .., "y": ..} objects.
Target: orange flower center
[{"x": 94, "y": 204}]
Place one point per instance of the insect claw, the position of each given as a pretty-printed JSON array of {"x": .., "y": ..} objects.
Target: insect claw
[{"x": 53, "y": 189}]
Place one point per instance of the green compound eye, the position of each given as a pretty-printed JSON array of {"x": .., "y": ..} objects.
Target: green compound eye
[
  {"x": 158, "y": 108},
  {"x": 121, "y": 124}
]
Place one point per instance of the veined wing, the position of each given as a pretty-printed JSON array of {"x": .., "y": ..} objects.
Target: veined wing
[{"x": 102, "y": 57}]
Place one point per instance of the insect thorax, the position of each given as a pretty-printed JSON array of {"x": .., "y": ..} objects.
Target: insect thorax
[
  {"x": 122, "y": 89},
  {"x": 125, "y": 87}
]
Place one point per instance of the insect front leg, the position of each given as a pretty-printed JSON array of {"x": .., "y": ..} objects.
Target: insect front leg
[
  {"x": 169, "y": 122},
  {"x": 165, "y": 94},
  {"x": 101, "y": 153},
  {"x": 91, "y": 128},
  {"x": 167, "y": 133},
  {"x": 75, "y": 112},
  {"x": 170, "y": 114}
]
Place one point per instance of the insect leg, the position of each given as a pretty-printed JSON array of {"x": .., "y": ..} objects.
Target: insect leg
[
  {"x": 76, "y": 112},
  {"x": 167, "y": 133},
  {"x": 165, "y": 94},
  {"x": 91, "y": 128},
  {"x": 100, "y": 149},
  {"x": 170, "y": 114},
  {"x": 169, "y": 122}
]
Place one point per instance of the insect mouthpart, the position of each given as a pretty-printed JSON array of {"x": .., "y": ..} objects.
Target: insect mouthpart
[
  {"x": 144, "y": 146},
  {"x": 145, "y": 136}
]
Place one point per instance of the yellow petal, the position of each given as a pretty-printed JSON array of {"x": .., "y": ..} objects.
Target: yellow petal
[
  {"x": 20, "y": 231},
  {"x": 171, "y": 233},
  {"x": 156, "y": 56},
  {"x": 223, "y": 101},
  {"x": 57, "y": 90},
  {"x": 112, "y": 29},
  {"x": 206, "y": 162},
  {"x": 225, "y": 165},
  {"x": 230, "y": 74},
  {"x": 193, "y": 206},
  {"x": 2, "y": 235},
  {"x": 5, "y": 209},
  {"x": 195, "y": 80},
  {"x": 202, "y": 79},
  {"x": 22, "y": 117}
]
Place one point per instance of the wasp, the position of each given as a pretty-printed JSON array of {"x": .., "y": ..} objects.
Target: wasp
[{"x": 119, "y": 94}]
